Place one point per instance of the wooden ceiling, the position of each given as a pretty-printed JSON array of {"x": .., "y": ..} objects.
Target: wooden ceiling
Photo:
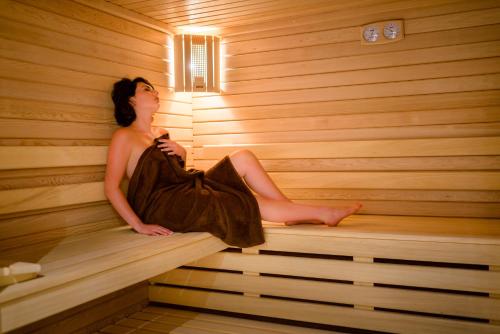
[{"x": 225, "y": 14}]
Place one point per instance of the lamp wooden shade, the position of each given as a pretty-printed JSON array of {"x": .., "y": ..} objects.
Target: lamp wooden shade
[{"x": 196, "y": 63}]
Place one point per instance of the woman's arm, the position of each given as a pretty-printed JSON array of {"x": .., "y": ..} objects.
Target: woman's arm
[{"x": 118, "y": 155}]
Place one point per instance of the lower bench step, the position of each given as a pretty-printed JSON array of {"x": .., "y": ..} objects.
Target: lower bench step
[{"x": 154, "y": 320}]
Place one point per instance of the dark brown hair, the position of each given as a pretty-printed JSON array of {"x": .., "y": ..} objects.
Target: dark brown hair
[{"x": 122, "y": 91}]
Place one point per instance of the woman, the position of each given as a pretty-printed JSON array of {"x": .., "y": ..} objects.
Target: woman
[{"x": 135, "y": 103}]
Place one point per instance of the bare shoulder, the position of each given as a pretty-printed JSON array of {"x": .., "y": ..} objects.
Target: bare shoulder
[{"x": 121, "y": 135}]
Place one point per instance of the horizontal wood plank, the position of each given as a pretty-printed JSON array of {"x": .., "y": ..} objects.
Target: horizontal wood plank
[
  {"x": 398, "y": 299},
  {"x": 111, "y": 273},
  {"x": 394, "y": 274},
  {"x": 20, "y": 70},
  {"x": 79, "y": 19},
  {"x": 10, "y": 247},
  {"x": 436, "y": 23},
  {"x": 17, "y": 157},
  {"x": 65, "y": 130},
  {"x": 392, "y": 119},
  {"x": 445, "y": 208},
  {"x": 325, "y": 314},
  {"x": 389, "y": 180},
  {"x": 275, "y": 81},
  {"x": 31, "y": 178},
  {"x": 84, "y": 64},
  {"x": 367, "y": 239},
  {"x": 357, "y": 62},
  {"x": 354, "y": 48},
  {"x": 46, "y": 197},
  {"x": 365, "y": 91},
  {"x": 372, "y": 164},
  {"x": 456, "y": 101},
  {"x": 244, "y": 324},
  {"x": 403, "y": 132},
  {"x": 173, "y": 121},
  {"x": 350, "y": 149},
  {"x": 32, "y": 224},
  {"x": 353, "y": 16},
  {"x": 54, "y": 111}
]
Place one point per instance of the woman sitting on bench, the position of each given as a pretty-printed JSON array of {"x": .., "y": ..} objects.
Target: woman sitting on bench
[{"x": 163, "y": 197}]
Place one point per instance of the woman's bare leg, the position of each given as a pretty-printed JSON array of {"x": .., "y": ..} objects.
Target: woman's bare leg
[
  {"x": 249, "y": 168},
  {"x": 284, "y": 211},
  {"x": 274, "y": 205}
]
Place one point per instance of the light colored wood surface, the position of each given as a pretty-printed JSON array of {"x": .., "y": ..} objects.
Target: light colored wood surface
[
  {"x": 385, "y": 297},
  {"x": 58, "y": 64},
  {"x": 325, "y": 314},
  {"x": 441, "y": 229},
  {"x": 91, "y": 316},
  {"x": 46, "y": 197},
  {"x": 457, "y": 101},
  {"x": 400, "y": 118},
  {"x": 267, "y": 42},
  {"x": 355, "y": 171},
  {"x": 366, "y": 148},
  {"x": 308, "y": 91},
  {"x": 439, "y": 251},
  {"x": 164, "y": 319},
  {"x": 367, "y": 76},
  {"x": 24, "y": 157},
  {"x": 406, "y": 132},
  {"x": 365, "y": 61},
  {"x": 390, "y": 180},
  {"x": 394, "y": 274},
  {"x": 297, "y": 90},
  {"x": 82, "y": 268},
  {"x": 227, "y": 15},
  {"x": 443, "y": 273},
  {"x": 19, "y": 157},
  {"x": 47, "y": 222}
]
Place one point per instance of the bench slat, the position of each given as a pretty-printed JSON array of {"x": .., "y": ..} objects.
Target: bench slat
[
  {"x": 83, "y": 282},
  {"x": 419, "y": 301},
  {"x": 107, "y": 249},
  {"x": 431, "y": 229},
  {"x": 395, "y": 274},
  {"x": 312, "y": 312}
]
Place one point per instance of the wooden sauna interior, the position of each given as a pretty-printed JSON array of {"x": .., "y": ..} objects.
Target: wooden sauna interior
[{"x": 409, "y": 128}]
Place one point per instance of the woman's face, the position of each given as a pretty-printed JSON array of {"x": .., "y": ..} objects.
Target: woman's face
[{"x": 145, "y": 98}]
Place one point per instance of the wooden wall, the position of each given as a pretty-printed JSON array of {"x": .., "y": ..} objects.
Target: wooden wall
[
  {"x": 58, "y": 62},
  {"x": 407, "y": 128}
]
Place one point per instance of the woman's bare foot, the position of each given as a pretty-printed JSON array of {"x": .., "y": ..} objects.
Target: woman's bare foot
[
  {"x": 333, "y": 216},
  {"x": 330, "y": 216}
]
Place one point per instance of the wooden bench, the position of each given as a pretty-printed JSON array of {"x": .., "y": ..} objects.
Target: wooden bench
[
  {"x": 385, "y": 273},
  {"x": 60, "y": 218},
  {"x": 84, "y": 267}
]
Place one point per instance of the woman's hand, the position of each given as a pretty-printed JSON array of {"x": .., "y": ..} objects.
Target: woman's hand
[
  {"x": 153, "y": 229},
  {"x": 171, "y": 147}
]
